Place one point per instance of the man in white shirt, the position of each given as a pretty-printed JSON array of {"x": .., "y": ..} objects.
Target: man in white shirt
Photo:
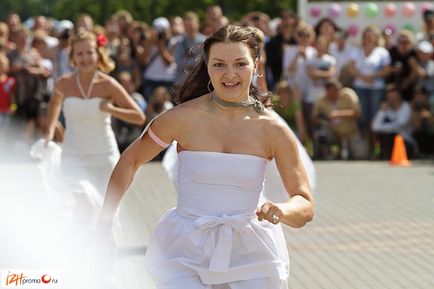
[{"x": 394, "y": 117}]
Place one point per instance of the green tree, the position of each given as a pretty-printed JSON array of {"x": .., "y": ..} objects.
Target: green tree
[
  {"x": 144, "y": 10},
  {"x": 25, "y": 8}
]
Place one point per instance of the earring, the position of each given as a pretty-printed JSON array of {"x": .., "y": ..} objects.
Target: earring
[
  {"x": 257, "y": 74},
  {"x": 209, "y": 89}
]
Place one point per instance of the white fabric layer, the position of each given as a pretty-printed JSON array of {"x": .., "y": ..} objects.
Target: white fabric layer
[
  {"x": 213, "y": 234},
  {"x": 81, "y": 166}
]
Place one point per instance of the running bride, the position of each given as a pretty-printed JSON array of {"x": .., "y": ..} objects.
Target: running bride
[
  {"x": 89, "y": 152},
  {"x": 218, "y": 237}
]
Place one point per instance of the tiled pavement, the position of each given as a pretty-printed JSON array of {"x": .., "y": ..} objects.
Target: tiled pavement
[{"x": 373, "y": 228}]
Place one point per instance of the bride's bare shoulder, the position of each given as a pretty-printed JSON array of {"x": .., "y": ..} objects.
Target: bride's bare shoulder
[
  {"x": 198, "y": 103},
  {"x": 184, "y": 113},
  {"x": 64, "y": 82}
]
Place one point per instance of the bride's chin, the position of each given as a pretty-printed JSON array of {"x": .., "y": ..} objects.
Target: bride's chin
[{"x": 86, "y": 68}]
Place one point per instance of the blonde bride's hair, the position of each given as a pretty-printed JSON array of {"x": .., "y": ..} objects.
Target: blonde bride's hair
[{"x": 105, "y": 64}]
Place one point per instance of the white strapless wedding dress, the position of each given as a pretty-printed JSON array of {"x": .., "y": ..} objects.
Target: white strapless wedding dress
[
  {"x": 213, "y": 239},
  {"x": 81, "y": 166},
  {"x": 274, "y": 189}
]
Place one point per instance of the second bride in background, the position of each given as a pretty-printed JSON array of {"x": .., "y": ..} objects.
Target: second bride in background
[{"x": 89, "y": 152}]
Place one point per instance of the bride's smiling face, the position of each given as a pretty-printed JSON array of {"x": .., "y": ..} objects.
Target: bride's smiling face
[
  {"x": 231, "y": 67},
  {"x": 84, "y": 55}
]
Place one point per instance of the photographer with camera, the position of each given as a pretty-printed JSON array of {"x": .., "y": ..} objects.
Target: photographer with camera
[
  {"x": 401, "y": 69},
  {"x": 160, "y": 64},
  {"x": 335, "y": 117},
  {"x": 60, "y": 54}
]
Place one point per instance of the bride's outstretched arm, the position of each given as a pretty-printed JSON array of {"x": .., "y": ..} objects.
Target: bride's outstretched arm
[
  {"x": 299, "y": 209},
  {"x": 142, "y": 150}
]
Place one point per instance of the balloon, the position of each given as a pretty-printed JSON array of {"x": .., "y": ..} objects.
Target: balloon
[
  {"x": 352, "y": 30},
  {"x": 315, "y": 11},
  {"x": 408, "y": 9},
  {"x": 408, "y": 26},
  {"x": 371, "y": 10},
  {"x": 335, "y": 10},
  {"x": 353, "y": 10},
  {"x": 389, "y": 10},
  {"x": 426, "y": 6},
  {"x": 392, "y": 28}
]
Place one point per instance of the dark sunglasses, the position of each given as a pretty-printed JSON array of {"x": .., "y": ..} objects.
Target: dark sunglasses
[{"x": 303, "y": 34}]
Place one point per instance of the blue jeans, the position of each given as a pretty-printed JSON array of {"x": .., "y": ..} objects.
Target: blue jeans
[{"x": 370, "y": 101}]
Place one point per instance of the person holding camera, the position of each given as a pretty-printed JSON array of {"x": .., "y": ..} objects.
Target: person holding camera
[
  {"x": 160, "y": 65},
  {"x": 335, "y": 116},
  {"x": 60, "y": 54},
  {"x": 400, "y": 61}
]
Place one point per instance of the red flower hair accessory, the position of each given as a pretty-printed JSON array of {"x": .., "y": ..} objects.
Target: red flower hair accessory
[{"x": 101, "y": 40}]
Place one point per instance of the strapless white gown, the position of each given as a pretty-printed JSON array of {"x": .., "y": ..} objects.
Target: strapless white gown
[
  {"x": 83, "y": 163},
  {"x": 213, "y": 236},
  {"x": 274, "y": 189}
]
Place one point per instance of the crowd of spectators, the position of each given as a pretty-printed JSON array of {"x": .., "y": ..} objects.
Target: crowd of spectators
[{"x": 345, "y": 98}]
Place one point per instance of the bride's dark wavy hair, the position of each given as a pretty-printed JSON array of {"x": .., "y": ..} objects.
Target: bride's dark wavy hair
[{"x": 196, "y": 82}]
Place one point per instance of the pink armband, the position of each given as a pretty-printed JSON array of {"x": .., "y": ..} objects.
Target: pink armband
[{"x": 156, "y": 139}]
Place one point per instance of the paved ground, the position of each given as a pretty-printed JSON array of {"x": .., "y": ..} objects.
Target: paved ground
[{"x": 374, "y": 226}]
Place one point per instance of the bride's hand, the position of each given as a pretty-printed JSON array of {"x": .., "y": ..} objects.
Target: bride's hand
[
  {"x": 270, "y": 212},
  {"x": 48, "y": 137},
  {"x": 106, "y": 105}
]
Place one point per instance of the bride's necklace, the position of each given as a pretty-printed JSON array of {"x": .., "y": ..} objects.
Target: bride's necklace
[
  {"x": 80, "y": 87},
  {"x": 256, "y": 104}
]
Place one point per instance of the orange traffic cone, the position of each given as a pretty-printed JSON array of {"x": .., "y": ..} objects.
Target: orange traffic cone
[{"x": 399, "y": 153}]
